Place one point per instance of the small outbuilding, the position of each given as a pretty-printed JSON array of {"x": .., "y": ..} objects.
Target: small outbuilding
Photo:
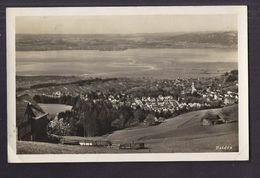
[{"x": 212, "y": 119}]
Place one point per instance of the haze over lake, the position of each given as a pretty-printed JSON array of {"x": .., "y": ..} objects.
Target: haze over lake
[{"x": 156, "y": 63}]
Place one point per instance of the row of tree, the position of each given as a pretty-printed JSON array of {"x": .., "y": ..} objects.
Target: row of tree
[{"x": 92, "y": 119}]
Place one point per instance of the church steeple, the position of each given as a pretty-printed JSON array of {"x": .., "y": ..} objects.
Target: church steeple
[{"x": 193, "y": 89}]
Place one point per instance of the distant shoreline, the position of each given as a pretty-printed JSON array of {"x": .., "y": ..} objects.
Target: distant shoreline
[
  {"x": 146, "y": 48},
  {"x": 112, "y": 42}
]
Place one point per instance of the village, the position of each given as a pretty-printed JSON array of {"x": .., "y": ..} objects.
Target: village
[
  {"x": 188, "y": 97},
  {"x": 117, "y": 110}
]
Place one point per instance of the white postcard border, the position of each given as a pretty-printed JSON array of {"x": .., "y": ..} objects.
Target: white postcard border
[{"x": 240, "y": 11}]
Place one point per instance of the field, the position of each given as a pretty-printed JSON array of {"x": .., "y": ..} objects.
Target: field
[
  {"x": 183, "y": 133},
  {"x": 24, "y": 147},
  {"x": 53, "y": 109}
]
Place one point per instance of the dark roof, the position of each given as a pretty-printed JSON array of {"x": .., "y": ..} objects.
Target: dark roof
[
  {"x": 37, "y": 110},
  {"x": 21, "y": 106},
  {"x": 40, "y": 116}
]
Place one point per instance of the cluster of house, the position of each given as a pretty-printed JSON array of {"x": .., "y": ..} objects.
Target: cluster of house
[
  {"x": 192, "y": 106},
  {"x": 227, "y": 98},
  {"x": 157, "y": 104},
  {"x": 56, "y": 94},
  {"x": 161, "y": 103}
]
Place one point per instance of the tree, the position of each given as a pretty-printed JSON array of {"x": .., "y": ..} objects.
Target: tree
[
  {"x": 150, "y": 119},
  {"x": 139, "y": 114},
  {"x": 58, "y": 127}
]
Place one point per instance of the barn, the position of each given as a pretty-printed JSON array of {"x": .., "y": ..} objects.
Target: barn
[
  {"x": 212, "y": 119},
  {"x": 31, "y": 121}
]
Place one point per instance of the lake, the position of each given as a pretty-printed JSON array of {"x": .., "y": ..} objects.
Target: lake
[
  {"x": 53, "y": 109},
  {"x": 156, "y": 63}
]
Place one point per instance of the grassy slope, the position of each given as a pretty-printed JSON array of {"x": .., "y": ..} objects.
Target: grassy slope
[{"x": 183, "y": 133}]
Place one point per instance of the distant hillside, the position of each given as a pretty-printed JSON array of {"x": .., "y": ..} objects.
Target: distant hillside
[{"x": 110, "y": 42}]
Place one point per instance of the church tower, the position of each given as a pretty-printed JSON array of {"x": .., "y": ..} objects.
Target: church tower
[{"x": 193, "y": 89}]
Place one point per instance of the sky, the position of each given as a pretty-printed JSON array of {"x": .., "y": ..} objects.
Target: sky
[{"x": 124, "y": 24}]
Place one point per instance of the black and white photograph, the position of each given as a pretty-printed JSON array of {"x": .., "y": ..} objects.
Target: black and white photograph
[{"x": 127, "y": 84}]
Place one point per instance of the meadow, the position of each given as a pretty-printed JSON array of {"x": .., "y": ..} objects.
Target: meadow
[{"x": 54, "y": 109}]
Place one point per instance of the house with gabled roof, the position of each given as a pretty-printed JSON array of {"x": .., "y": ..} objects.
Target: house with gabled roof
[{"x": 31, "y": 121}]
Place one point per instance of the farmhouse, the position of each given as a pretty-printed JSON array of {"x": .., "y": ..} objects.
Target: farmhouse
[
  {"x": 31, "y": 121},
  {"x": 212, "y": 119}
]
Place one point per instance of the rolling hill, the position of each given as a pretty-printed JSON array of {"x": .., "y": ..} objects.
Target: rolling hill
[
  {"x": 116, "y": 42},
  {"x": 185, "y": 133}
]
